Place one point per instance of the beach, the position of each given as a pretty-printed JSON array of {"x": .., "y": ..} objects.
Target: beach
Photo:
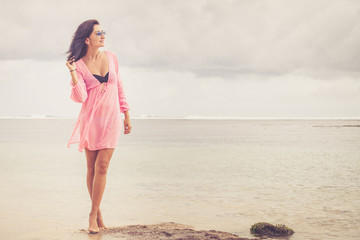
[{"x": 223, "y": 175}]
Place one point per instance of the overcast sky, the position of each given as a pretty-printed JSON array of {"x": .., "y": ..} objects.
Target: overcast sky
[{"x": 206, "y": 58}]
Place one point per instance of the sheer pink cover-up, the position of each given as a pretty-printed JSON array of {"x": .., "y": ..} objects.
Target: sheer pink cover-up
[{"x": 99, "y": 122}]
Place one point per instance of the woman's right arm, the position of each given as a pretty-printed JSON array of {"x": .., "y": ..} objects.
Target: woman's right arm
[{"x": 78, "y": 86}]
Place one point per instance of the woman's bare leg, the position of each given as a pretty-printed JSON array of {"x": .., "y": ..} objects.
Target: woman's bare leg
[
  {"x": 91, "y": 158},
  {"x": 98, "y": 186}
]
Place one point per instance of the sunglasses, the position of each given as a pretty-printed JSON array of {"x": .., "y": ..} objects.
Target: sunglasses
[{"x": 100, "y": 33}]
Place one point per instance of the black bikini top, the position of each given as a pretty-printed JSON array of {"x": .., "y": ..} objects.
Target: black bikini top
[{"x": 101, "y": 78}]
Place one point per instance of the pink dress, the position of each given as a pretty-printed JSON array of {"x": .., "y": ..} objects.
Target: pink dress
[{"x": 99, "y": 122}]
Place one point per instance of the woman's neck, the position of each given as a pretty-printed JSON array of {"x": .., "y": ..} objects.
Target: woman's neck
[{"x": 92, "y": 55}]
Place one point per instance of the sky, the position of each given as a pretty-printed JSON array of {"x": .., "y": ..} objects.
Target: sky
[{"x": 190, "y": 59}]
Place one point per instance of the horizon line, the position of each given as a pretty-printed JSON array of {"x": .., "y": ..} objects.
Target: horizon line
[{"x": 190, "y": 117}]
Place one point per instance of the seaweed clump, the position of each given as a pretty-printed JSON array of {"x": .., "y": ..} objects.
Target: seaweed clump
[{"x": 267, "y": 229}]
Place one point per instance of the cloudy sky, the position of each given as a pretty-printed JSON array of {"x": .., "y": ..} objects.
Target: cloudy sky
[{"x": 198, "y": 58}]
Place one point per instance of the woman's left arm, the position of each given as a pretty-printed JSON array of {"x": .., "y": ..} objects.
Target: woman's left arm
[
  {"x": 127, "y": 123},
  {"x": 124, "y": 107}
]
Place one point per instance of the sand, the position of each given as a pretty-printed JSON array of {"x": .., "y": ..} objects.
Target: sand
[{"x": 166, "y": 230}]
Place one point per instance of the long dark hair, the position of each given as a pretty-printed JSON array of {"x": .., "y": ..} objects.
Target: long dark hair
[{"x": 78, "y": 48}]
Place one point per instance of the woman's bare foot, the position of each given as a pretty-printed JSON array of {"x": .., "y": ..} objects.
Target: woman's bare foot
[
  {"x": 93, "y": 227},
  {"x": 100, "y": 222}
]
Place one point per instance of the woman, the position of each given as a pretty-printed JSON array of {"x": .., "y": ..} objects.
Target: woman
[{"x": 95, "y": 82}]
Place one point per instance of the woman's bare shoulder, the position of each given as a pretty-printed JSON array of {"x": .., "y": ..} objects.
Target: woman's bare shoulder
[
  {"x": 110, "y": 52},
  {"x": 113, "y": 55}
]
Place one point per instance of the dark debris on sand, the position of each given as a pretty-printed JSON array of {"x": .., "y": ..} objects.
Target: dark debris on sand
[
  {"x": 168, "y": 231},
  {"x": 270, "y": 230}
]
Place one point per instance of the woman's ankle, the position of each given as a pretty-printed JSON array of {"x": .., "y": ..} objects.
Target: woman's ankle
[{"x": 93, "y": 214}]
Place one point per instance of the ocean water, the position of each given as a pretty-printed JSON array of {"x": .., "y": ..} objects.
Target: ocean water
[{"x": 213, "y": 174}]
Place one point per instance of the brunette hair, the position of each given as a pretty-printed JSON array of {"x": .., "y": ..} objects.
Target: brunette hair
[{"x": 78, "y": 48}]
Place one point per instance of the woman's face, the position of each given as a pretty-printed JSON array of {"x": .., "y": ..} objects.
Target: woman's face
[{"x": 95, "y": 40}]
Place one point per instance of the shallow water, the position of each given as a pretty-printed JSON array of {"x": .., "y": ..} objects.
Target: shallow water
[{"x": 212, "y": 174}]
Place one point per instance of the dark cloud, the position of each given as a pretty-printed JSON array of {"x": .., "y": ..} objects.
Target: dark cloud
[{"x": 258, "y": 36}]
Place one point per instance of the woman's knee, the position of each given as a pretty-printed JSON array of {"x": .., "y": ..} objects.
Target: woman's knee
[
  {"x": 102, "y": 166},
  {"x": 103, "y": 160},
  {"x": 91, "y": 158}
]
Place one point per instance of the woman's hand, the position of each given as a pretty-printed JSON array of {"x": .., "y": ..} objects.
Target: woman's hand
[
  {"x": 127, "y": 126},
  {"x": 71, "y": 63}
]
